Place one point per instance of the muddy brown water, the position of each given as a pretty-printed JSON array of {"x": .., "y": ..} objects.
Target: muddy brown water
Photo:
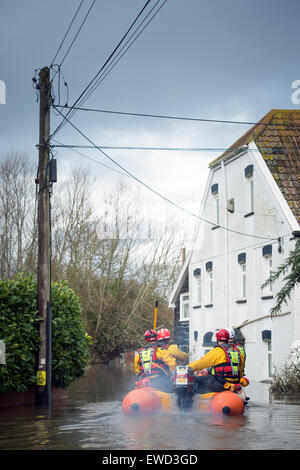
[{"x": 91, "y": 418}]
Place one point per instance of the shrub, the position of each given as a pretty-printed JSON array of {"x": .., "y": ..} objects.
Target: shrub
[
  {"x": 286, "y": 381},
  {"x": 19, "y": 322},
  {"x": 18, "y": 329},
  {"x": 70, "y": 342}
]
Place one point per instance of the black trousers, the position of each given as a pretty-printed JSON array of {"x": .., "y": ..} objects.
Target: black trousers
[
  {"x": 208, "y": 383},
  {"x": 163, "y": 383}
]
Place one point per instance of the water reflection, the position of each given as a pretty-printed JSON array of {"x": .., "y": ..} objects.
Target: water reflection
[{"x": 91, "y": 418}]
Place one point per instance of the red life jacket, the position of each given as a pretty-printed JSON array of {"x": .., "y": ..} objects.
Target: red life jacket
[
  {"x": 230, "y": 368},
  {"x": 164, "y": 345},
  {"x": 150, "y": 364}
]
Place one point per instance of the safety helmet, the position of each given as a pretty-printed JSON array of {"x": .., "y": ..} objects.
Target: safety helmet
[
  {"x": 150, "y": 336},
  {"x": 163, "y": 334},
  {"x": 222, "y": 335},
  {"x": 231, "y": 332}
]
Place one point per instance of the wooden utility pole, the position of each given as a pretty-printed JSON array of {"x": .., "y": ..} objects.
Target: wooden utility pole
[{"x": 43, "y": 370}]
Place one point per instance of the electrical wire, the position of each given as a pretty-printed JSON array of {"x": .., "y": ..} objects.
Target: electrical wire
[
  {"x": 74, "y": 39},
  {"x": 181, "y": 118},
  {"x": 92, "y": 82},
  {"x": 76, "y": 35},
  {"x": 156, "y": 192},
  {"x": 177, "y": 149},
  {"x": 156, "y": 187},
  {"x": 117, "y": 59},
  {"x": 63, "y": 40}
]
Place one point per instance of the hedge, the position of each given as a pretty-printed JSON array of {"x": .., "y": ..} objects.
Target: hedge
[{"x": 19, "y": 321}]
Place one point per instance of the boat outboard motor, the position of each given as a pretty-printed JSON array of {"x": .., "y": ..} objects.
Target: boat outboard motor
[{"x": 184, "y": 387}]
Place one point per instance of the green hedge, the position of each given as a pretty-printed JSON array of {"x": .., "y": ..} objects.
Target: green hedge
[{"x": 19, "y": 322}]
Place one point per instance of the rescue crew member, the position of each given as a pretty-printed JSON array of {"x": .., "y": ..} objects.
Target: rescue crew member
[
  {"x": 225, "y": 363},
  {"x": 153, "y": 366},
  {"x": 163, "y": 341},
  {"x": 232, "y": 340}
]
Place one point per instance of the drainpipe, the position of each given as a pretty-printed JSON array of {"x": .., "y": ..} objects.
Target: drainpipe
[{"x": 226, "y": 245}]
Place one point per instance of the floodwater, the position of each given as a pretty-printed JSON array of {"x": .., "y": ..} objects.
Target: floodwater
[{"x": 91, "y": 418}]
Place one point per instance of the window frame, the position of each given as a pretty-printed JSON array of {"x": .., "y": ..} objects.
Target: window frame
[
  {"x": 210, "y": 286},
  {"x": 244, "y": 280},
  {"x": 183, "y": 303},
  {"x": 268, "y": 290},
  {"x": 198, "y": 290}
]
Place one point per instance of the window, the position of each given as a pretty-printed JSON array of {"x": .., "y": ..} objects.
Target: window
[
  {"x": 249, "y": 176},
  {"x": 207, "y": 340},
  {"x": 251, "y": 195},
  {"x": 243, "y": 280},
  {"x": 215, "y": 193},
  {"x": 210, "y": 277},
  {"x": 184, "y": 307},
  {"x": 209, "y": 284},
  {"x": 243, "y": 275},
  {"x": 267, "y": 338},
  {"x": 267, "y": 270},
  {"x": 198, "y": 290},
  {"x": 217, "y": 210},
  {"x": 270, "y": 371},
  {"x": 270, "y": 273}
]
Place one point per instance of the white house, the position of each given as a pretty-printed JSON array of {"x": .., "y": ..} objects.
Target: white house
[{"x": 249, "y": 222}]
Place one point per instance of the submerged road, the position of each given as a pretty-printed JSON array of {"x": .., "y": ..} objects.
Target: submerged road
[{"x": 91, "y": 418}]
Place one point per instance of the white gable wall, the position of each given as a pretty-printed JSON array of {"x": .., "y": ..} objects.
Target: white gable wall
[{"x": 271, "y": 219}]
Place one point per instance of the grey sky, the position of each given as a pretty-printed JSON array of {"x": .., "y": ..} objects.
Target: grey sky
[{"x": 217, "y": 59}]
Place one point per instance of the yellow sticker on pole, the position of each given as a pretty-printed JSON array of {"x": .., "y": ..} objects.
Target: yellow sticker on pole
[{"x": 41, "y": 377}]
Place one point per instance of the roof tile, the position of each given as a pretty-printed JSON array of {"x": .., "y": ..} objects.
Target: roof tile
[{"x": 277, "y": 136}]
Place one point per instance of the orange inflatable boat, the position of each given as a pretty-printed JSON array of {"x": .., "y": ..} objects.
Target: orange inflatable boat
[{"x": 148, "y": 401}]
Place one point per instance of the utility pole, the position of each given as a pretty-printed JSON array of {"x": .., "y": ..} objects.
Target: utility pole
[{"x": 43, "y": 370}]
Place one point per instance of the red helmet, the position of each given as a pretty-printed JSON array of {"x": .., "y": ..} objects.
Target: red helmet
[
  {"x": 150, "y": 336},
  {"x": 163, "y": 334},
  {"x": 222, "y": 335}
]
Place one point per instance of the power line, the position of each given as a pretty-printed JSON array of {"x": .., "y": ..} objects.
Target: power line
[
  {"x": 117, "y": 59},
  {"x": 160, "y": 189},
  {"x": 81, "y": 25},
  {"x": 63, "y": 40},
  {"x": 180, "y": 149},
  {"x": 100, "y": 70},
  {"x": 74, "y": 39},
  {"x": 92, "y": 159},
  {"x": 156, "y": 192},
  {"x": 180, "y": 118}
]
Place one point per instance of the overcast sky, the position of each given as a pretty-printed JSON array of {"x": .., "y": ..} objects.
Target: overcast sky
[{"x": 214, "y": 59}]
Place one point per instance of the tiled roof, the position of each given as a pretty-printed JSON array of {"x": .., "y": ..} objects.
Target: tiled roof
[{"x": 277, "y": 136}]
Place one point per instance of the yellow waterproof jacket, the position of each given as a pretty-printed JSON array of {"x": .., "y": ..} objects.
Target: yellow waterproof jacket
[
  {"x": 162, "y": 355},
  {"x": 213, "y": 358},
  {"x": 176, "y": 353}
]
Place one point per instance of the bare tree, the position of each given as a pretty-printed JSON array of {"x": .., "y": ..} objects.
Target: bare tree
[
  {"x": 103, "y": 243},
  {"x": 17, "y": 205}
]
